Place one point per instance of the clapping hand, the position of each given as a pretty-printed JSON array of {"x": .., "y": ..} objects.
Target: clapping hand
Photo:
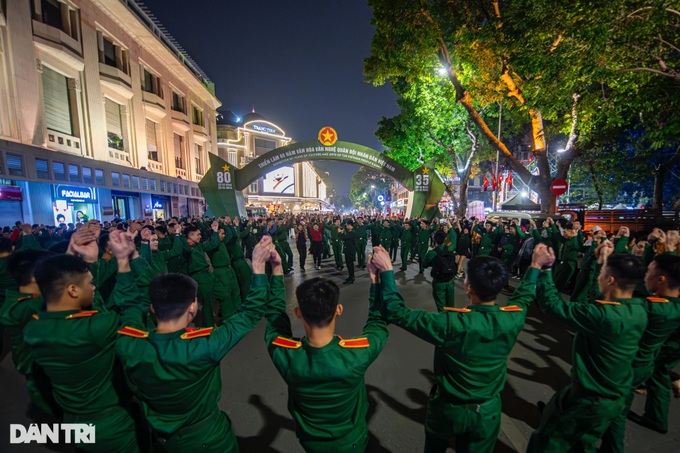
[{"x": 543, "y": 257}]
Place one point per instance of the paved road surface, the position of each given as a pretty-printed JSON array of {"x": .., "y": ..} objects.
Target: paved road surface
[{"x": 398, "y": 382}]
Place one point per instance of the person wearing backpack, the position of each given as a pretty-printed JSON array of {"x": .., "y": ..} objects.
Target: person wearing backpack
[{"x": 442, "y": 260}]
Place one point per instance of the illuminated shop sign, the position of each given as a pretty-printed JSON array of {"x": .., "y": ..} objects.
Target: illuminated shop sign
[
  {"x": 157, "y": 204},
  {"x": 11, "y": 193},
  {"x": 263, "y": 128},
  {"x": 75, "y": 194}
]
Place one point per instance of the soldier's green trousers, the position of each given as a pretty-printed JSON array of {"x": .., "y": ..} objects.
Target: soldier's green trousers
[
  {"x": 361, "y": 253},
  {"x": 414, "y": 249},
  {"x": 206, "y": 286},
  {"x": 443, "y": 294},
  {"x": 227, "y": 291},
  {"x": 564, "y": 271},
  {"x": 286, "y": 254},
  {"x": 404, "y": 256},
  {"x": 475, "y": 426},
  {"x": 243, "y": 275},
  {"x": 210, "y": 435},
  {"x": 658, "y": 386},
  {"x": 337, "y": 251},
  {"x": 394, "y": 246},
  {"x": 114, "y": 431},
  {"x": 354, "y": 442},
  {"x": 574, "y": 422},
  {"x": 613, "y": 438},
  {"x": 422, "y": 251}
]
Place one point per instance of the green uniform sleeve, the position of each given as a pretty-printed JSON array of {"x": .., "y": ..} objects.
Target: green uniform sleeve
[
  {"x": 621, "y": 245},
  {"x": 429, "y": 257},
  {"x": 520, "y": 233},
  {"x": 243, "y": 321},
  {"x": 213, "y": 243},
  {"x": 431, "y": 327},
  {"x": 127, "y": 298},
  {"x": 577, "y": 316},
  {"x": 375, "y": 329},
  {"x": 525, "y": 293},
  {"x": 145, "y": 252},
  {"x": 278, "y": 322}
]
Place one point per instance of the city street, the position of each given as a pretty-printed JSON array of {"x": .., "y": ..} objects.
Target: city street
[{"x": 254, "y": 396}]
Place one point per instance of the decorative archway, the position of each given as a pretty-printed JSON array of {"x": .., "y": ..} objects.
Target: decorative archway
[{"x": 223, "y": 184}]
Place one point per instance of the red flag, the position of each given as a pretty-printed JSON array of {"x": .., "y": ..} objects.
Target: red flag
[
  {"x": 486, "y": 184},
  {"x": 509, "y": 180},
  {"x": 494, "y": 182}
]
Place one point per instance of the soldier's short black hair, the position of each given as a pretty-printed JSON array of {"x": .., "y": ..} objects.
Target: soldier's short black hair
[
  {"x": 22, "y": 264},
  {"x": 161, "y": 229},
  {"x": 55, "y": 273},
  {"x": 190, "y": 229},
  {"x": 5, "y": 245},
  {"x": 488, "y": 276},
  {"x": 171, "y": 294},
  {"x": 150, "y": 227},
  {"x": 627, "y": 269},
  {"x": 669, "y": 265},
  {"x": 318, "y": 299},
  {"x": 439, "y": 237}
]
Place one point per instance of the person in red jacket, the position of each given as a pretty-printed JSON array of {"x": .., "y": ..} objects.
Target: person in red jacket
[{"x": 316, "y": 236}]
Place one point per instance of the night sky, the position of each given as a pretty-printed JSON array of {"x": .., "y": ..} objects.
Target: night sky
[{"x": 298, "y": 63}]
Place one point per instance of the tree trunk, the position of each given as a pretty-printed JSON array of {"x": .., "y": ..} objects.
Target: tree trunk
[
  {"x": 596, "y": 186},
  {"x": 659, "y": 178}
]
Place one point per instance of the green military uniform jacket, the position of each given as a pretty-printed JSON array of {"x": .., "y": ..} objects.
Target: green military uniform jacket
[
  {"x": 194, "y": 253},
  {"x": 76, "y": 350},
  {"x": 470, "y": 361},
  {"x": 663, "y": 315},
  {"x": 177, "y": 374},
  {"x": 15, "y": 314},
  {"x": 606, "y": 340},
  {"x": 326, "y": 391}
]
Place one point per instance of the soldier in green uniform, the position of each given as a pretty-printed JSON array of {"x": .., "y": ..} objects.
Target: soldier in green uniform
[
  {"x": 471, "y": 353},
  {"x": 442, "y": 283},
  {"x": 567, "y": 255},
  {"x": 21, "y": 303},
  {"x": 423, "y": 242},
  {"x": 336, "y": 243},
  {"x": 415, "y": 226},
  {"x": 406, "y": 238},
  {"x": 329, "y": 409},
  {"x": 198, "y": 267},
  {"x": 394, "y": 244},
  {"x": 76, "y": 347},
  {"x": 651, "y": 366},
  {"x": 487, "y": 233},
  {"x": 348, "y": 237},
  {"x": 587, "y": 274},
  {"x": 386, "y": 234},
  {"x": 281, "y": 239},
  {"x": 608, "y": 332},
  {"x": 361, "y": 230},
  {"x": 226, "y": 290},
  {"x": 238, "y": 261},
  {"x": 176, "y": 371}
]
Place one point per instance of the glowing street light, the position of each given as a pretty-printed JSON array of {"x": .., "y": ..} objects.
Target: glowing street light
[{"x": 441, "y": 71}]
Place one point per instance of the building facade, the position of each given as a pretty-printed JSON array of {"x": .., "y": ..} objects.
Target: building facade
[
  {"x": 101, "y": 114},
  {"x": 293, "y": 188}
]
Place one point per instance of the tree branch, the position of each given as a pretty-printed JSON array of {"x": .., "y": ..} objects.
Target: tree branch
[{"x": 670, "y": 73}]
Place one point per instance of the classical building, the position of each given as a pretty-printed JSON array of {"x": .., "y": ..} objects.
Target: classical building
[
  {"x": 101, "y": 114},
  {"x": 293, "y": 188}
]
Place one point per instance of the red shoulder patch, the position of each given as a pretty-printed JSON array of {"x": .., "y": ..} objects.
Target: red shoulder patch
[
  {"x": 607, "y": 302},
  {"x": 458, "y": 310},
  {"x": 354, "y": 343},
  {"x": 658, "y": 299},
  {"x": 132, "y": 332},
  {"x": 197, "y": 333},
  {"x": 82, "y": 314},
  {"x": 511, "y": 308},
  {"x": 287, "y": 343}
]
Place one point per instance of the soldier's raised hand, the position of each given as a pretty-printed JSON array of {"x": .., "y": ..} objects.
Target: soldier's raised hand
[
  {"x": 381, "y": 259},
  {"x": 262, "y": 254},
  {"x": 543, "y": 257},
  {"x": 603, "y": 251}
]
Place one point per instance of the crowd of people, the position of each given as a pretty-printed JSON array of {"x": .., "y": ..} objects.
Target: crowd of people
[{"x": 123, "y": 324}]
